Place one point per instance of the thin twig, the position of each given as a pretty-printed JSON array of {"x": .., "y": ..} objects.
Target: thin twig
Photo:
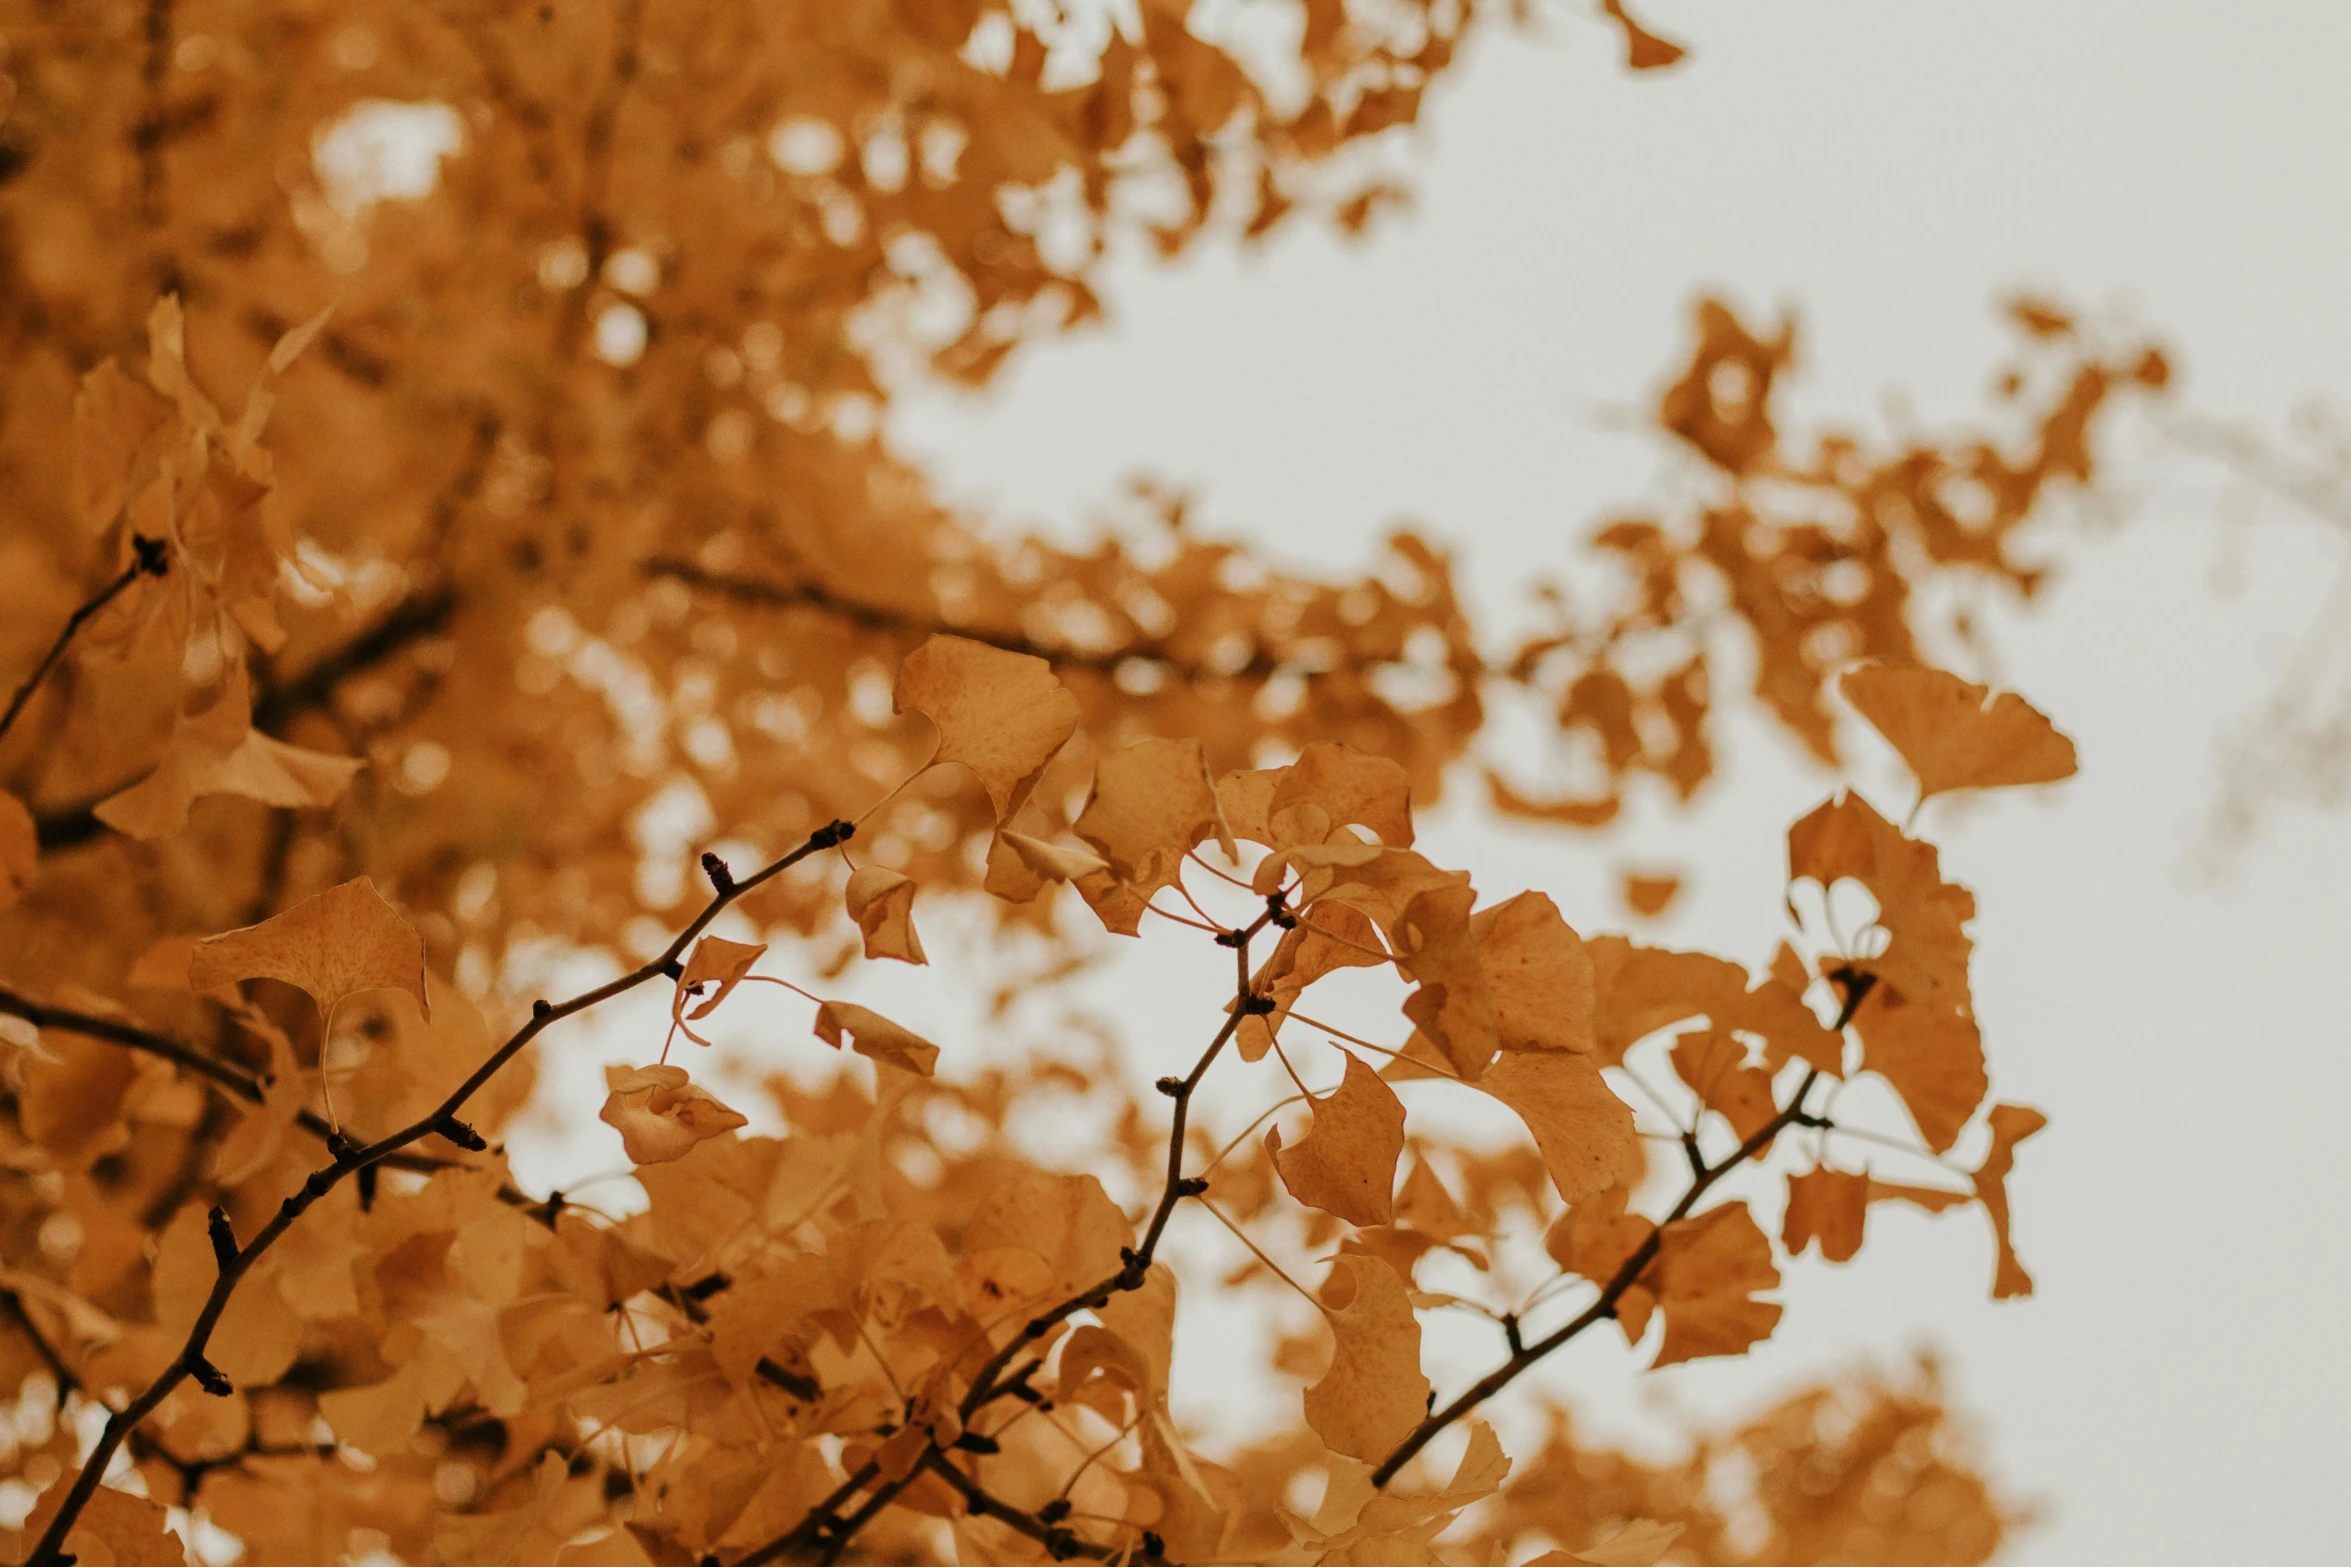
[
  {"x": 149, "y": 560},
  {"x": 1626, "y": 1276},
  {"x": 49, "y": 1551}
]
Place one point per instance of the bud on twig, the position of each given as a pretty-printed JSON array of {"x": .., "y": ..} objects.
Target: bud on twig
[{"x": 224, "y": 1238}]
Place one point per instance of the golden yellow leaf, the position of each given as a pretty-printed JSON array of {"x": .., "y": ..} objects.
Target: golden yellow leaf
[
  {"x": 1346, "y": 1162},
  {"x": 998, "y": 713},
  {"x": 1349, "y": 787},
  {"x": 1374, "y": 1393},
  {"x": 1956, "y": 735},
  {"x": 217, "y": 751},
  {"x": 1641, "y": 1543},
  {"x": 882, "y": 903},
  {"x": 1538, "y": 973},
  {"x": 1707, "y": 1269},
  {"x": 1829, "y": 1206},
  {"x": 1650, "y": 893},
  {"x": 116, "y": 1529},
  {"x": 1644, "y": 51},
  {"x": 661, "y": 1114},
  {"x": 1052, "y": 861},
  {"x": 338, "y": 943},
  {"x": 1452, "y": 1003},
  {"x": 1925, "y": 917},
  {"x": 1713, "y": 1063},
  {"x": 1936, "y": 1063},
  {"x": 1583, "y": 1130},
  {"x": 2010, "y": 1124},
  {"x": 1151, "y": 803},
  {"x": 875, "y": 1037},
  {"x": 713, "y": 970}
]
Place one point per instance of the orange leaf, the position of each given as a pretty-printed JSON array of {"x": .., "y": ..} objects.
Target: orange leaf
[
  {"x": 715, "y": 961},
  {"x": 1346, "y": 1163},
  {"x": 1924, "y": 916},
  {"x": 2011, "y": 1124},
  {"x": 1714, "y": 1065},
  {"x": 1829, "y": 1206},
  {"x": 660, "y": 1114},
  {"x": 1349, "y": 786},
  {"x": 875, "y": 1037},
  {"x": 1935, "y": 1063},
  {"x": 1538, "y": 973},
  {"x": 1151, "y": 803},
  {"x": 882, "y": 903},
  {"x": 1706, "y": 1271},
  {"x": 1956, "y": 735},
  {"x": 1374, "y": 1393},
  {"x": 1649, "y": 894},
  {"x": 1585, "y": 1133},
  {"x": 1643, "y": 51},
  {"x": 1001, "y": 714},
  {"x": 342, "y": 942}
]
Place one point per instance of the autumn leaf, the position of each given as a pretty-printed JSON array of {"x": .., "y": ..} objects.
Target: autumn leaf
[
  {"x": 1641, "y": 1543},
  {"x": 1706, "y": 1272},
  {"x": 875, "y": 1037},
  {"x": 1151, "y": 803},
  {"x": 1713, "y": 1064},
  {"x": 1538, "y": 973},
  {"x": 1956, "y": 735},
  {"x": 2010, "y": 1124},
  {"x": 1644, "y": 51},
  {"x": 1936, "y": 1063},
  {"x": 1346, "y": 1162},
  {"x": 1925, "y": 917},
  {"x": 217, "y": 751},
  {"x": 1349, "y": 787},
  {"x": 72, "y": 1094},
  {"x": 1584, "y": 1131},
  {"x": 1650, "y": 893},
  {"x": 339, "y": 943},
  {"x": 1002, "y": 715},
  {"x": 1373, "y": 1394},
  {"x": 1829, "y": 1206},
  {"x": 661, "y": 1114},
  {"x": 116, "y": 1529},
  {"x": 882, "y": 903},
  {"x": 1052, "y": 861},
  {"x": 711, "y": 974}
]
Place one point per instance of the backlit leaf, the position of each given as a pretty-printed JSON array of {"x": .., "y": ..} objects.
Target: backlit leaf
[
  {"x": 339, "y": 943},
  {"x": 1956, "y": 735},
  {"x": 1346, "y": 1162}
]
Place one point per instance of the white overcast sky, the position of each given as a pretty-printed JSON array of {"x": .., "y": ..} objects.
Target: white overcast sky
[{"x": 2178, "y": 1390}]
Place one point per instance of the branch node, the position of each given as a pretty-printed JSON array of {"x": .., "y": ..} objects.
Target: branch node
[
  {"x": 224, "y": 1237},
  {"x": 673, "y": 968},
  {"x": 974, "y": 1442},
  {"x": 721, "y": 879},
  {"x": 208, "y": 1376},
  {"x": 339, "y": 1144},
  {"x": 1231, "y": 938},
  {"x": 318, "y": 1183},
  {"x": 1173, "y": 1087},
  {"x": 832, "y": 834},
  {"x": 1278, "y": 912},
  {"x": 1192, "y": 1186},
  {"x": 1054, "y": 1511},
  {"x": 153, "y": 555},
  {"x": 1697, "y": 1159},
  {"x": 541, "y": 1007},
  {"x": 461, "y": 1134},
  {"x": 1153, "y": 1545},
  {"x": 1255, "y": 1005}
]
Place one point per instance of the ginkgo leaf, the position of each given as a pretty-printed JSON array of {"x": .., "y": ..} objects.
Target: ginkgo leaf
[
  {"x": 335, "y": 944},
  {"x": 1374, "y": 1393},
  {"x": 661, "y": 1113},
  {"x": 1346, "y": 1162},
  {"x": 875, "y": 1037},
  {"x": 1001, "y": 714},
  {"x": 1650, "y": 893},
  {"x": 712, "y": 972},
  {"x": 1349, "y": 787},
  {"x": 1934, "y": 1199},
  {"x": 1956, "y": 735},
  {"x": 1643, "y": 51},
  {"x": 1936, "y": 1063},
  {"x": 1583, "y": 1130},
  {"x": 1706, "y": 1272},
  {"x": 1538, "y": 973},
  {"x": 1925, "y": 917},
  {"x": 1829, "y": 1206},
  {"x": 2010, "y": 1124},
  {"x": 20, "y": 849},
  {"x": 1452, "y": 1003},
  {"x": 1052, "y": 861},
  {"x": 1641, "y": 1543},
  {"x": 1151, "y": 804},
  {"x": 1713, "y": 1063},
  {"x": 218, "y": 751},
  {"x": 882, "y": 903},
  {"x": 115, "y": 1529}
]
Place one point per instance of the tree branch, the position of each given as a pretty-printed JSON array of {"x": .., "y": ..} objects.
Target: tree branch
[
  {"x": 1605, "y": 1307},
  {"x": 49, "y": 1551},
  {"x": 1059, "y": 1542},
  {"x": 411, "y": 620},
  {"x": 149, "y": 560}
]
